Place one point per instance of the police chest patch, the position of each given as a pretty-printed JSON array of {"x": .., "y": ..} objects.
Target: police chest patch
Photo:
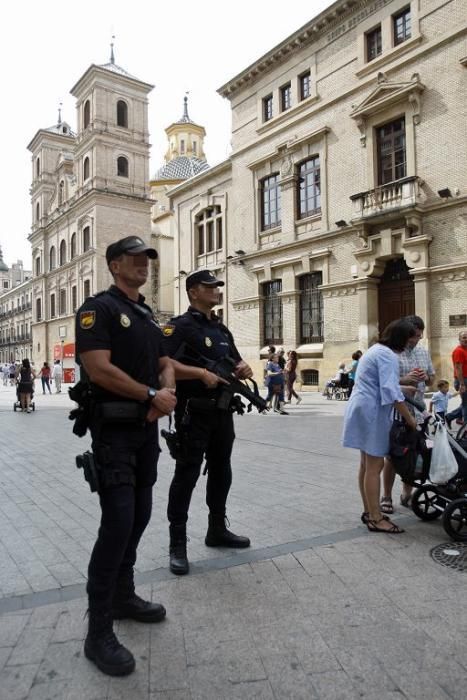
[
  {"x": 125, "y": 321},
  {"x": 208, "y": 342},
  {"x": 168, "y": 330},
  {"x": 87, "y": 319}
]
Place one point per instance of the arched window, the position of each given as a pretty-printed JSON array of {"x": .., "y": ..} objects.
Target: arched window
[
  {"x": 86, "y": 114},
  {"x": 86, "y": 238},
  {"x": 86, "y": 168},
  {"x": 38, "y": 212},
  {"x": 122, "y": 167},
  {"x": 73, "y": 246},
  {"x": 61, "y": 192},
  {"x": 122, "y": 113},
  {"x": 38, "y": 167},
  {"x": 62, "y": 253},
  {"x": 182, "y": 145},
  {"x": 52, "y": 258}
]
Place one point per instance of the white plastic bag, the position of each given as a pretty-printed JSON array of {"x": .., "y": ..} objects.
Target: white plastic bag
[{"x": 443, "y": 463}]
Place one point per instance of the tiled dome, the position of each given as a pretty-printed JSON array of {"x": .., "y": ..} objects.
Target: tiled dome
[{"x": 181, "y": 168}]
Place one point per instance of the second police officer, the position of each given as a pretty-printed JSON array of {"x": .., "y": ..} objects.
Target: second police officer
[
  {"x": 203, "y": 422},
  {"x": 119, "y": 346}
]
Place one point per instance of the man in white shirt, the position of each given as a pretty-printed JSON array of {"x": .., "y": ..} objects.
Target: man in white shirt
[{"x": 57, "y": 376}]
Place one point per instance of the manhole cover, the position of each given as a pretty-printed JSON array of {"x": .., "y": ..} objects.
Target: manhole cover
[{"x": 453, "y": 555}]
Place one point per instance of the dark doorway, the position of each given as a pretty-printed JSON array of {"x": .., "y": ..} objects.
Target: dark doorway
[{"x": 396, "y": 293}]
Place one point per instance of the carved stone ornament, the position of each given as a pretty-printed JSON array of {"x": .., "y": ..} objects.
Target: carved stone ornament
[{"x": 286, "y": 165}]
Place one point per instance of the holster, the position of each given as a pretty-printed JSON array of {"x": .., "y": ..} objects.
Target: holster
[{"x": 91, "y": 470}]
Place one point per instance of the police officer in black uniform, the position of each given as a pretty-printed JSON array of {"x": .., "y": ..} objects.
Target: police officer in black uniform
[
  {"x": 204, "y": 429},
  {"x": 119, "y": 346}
]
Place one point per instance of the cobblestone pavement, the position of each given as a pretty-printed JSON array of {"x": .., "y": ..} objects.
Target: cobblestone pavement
[{"x": 317, "y": 608}]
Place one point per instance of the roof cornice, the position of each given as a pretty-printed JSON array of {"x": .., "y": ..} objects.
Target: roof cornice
[
  {"x": 51, "y": 135},
  {"x": 304, "y": 36},
  {"x": 101, "y": 70}
]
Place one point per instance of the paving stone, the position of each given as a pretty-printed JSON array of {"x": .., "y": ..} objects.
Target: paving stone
[
  {"x": 59, "y": 661},
  {"x": 11, "y": 628},
  {"x": 16, "y": 681},
  {"x": 31, "y": 647}
]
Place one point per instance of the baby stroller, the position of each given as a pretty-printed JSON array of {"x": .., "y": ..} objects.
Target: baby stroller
[
  {"x": 17, "y": 403},
  {"x": 412, "y": 461}
]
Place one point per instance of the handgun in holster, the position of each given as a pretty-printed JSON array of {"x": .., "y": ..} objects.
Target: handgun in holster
[{"x": 90, "y": 468}]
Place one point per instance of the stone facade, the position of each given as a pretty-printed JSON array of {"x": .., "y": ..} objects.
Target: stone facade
[
  {"x": 88, "y": 190},
  {"x": 15, "y": 323},
  {"x": 15, "y": 311},
  {"x": 343, "y": 203}
]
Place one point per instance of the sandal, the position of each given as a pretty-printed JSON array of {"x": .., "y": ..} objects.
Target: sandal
[
  {"x": 406, "y": 501},
  {"x": 365, "y": 517},
  {"x": 386, "y": 505},
  {"x": 372, "y": 525}
]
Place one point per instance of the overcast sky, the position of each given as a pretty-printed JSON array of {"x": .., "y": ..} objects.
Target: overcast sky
[{"x": 45, "y": 47}]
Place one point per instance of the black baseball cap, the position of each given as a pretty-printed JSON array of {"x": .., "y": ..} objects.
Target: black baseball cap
[
  {"x": 205, "y": 277},
  {"x": 131, "y": 245}
]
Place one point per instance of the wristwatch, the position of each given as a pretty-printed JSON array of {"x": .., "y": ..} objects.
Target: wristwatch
[{"x": 151, "y": 393}]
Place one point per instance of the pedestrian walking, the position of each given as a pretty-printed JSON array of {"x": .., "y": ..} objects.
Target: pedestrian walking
[
  {"x": 352, "y": 370},
  {"x": 459, "y": 362},
  {"x": 203, "y": 418},
  {"x": 25, "y": 378},
  {"x": 275, "y": 382},
  {"x": 291, "y": 376},
  {"x": 57, "y": 376},
  {"x": 44, "y": 374},
  {"x": 440, "y": 399},
  {"x": 368, "y": 417},
  {"x": 6, "y": 374},
  {"x": 416, "y": 370},
  {"x": 119, "y": 349}
]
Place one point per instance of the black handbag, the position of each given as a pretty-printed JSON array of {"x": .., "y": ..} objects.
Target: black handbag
[{"x": 408, "y": 452}]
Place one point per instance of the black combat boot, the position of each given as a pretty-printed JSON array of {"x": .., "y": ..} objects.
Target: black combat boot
[
  {"x": 126, "y": 604},
  {"x": 218, "y": 535},
  {"x": 178, "y": 559},
  {"x": 103, "y": 648}
]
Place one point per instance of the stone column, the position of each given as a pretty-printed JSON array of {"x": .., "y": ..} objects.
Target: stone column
[
  {"x": 422, "y": 302},
  {"x": 290, "y": 319},
  {"x": 288, "y": 189},
  {"x": 367, "y": 290}
]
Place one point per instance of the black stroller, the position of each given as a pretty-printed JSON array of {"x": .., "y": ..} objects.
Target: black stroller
[
  {"x": 411, "y": 458},
  {"x": 17, "y": 403}
]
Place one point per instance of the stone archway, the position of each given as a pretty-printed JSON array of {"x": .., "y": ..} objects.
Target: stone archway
[{"x": 396, "y": 292}]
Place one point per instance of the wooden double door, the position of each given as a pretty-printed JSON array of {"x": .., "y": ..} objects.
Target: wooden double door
[{"x": 396, "y": 293}]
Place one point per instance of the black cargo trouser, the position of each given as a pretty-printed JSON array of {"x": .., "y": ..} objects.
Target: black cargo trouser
[
  {"x": 127, "y": 457},
  {"x": 211, "y": 435}
]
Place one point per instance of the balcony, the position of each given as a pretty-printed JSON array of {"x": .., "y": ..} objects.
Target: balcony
[{"x": 387, "y": 199}]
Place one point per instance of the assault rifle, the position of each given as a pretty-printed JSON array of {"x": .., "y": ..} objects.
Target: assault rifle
[{"x": 225, "y": 368}]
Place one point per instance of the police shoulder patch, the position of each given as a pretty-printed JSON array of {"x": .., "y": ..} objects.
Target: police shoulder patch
[
  {"x": 87, "y": 319},
  {"x": 168, "y": 329}
]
